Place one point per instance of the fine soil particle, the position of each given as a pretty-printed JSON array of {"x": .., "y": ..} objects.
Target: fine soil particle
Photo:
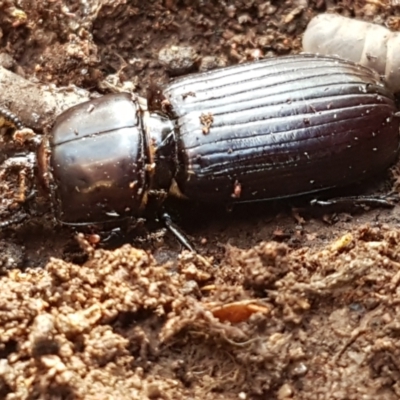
[{"x": 280, "y": 302}]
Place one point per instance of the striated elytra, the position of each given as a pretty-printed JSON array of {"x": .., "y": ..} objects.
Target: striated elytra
[{"x": 268, "y": 129}]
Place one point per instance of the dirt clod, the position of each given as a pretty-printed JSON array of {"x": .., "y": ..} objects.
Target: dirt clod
[
  {"x": 276, "y": 304},
  {"x": 178, "y": 60}
]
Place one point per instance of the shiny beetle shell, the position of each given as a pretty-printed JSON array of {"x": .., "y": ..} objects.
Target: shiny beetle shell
[
  {"x": 282, "y": 127},
  {"x": 97, "y": 160},
  {"x": 268, "y": 129}
]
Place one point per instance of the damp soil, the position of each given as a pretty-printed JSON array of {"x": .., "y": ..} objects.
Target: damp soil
[{"x": 279, "y": 302}]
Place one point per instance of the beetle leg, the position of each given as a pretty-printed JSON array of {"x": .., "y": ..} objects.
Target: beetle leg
[
  {"x": 15, "y": 219},
  {"x": 386, "y": 201},
  {"x": 176, "y": 231},
  {"x": 25, "y": 164}
]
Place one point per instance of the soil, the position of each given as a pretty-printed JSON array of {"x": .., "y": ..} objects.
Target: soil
[{"x": 278, "y": 302}]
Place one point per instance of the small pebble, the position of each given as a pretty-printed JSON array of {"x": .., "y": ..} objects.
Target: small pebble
[
  {"x": 285, "y": 392},
  {"x": 211, "y": 62},
  {"x": 6, "y": 61},
  {"x": 11, "y": 256},
  {"x": 178, "y": 60}
]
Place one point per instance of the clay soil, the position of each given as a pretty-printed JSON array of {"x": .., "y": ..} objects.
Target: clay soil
[{"x": 278, "y": 302}]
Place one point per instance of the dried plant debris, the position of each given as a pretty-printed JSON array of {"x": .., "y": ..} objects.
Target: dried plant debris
[{"x": 123, "y": 326}]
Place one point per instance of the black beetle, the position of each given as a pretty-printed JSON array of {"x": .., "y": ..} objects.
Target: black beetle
[{"x": 273, "y": 128}]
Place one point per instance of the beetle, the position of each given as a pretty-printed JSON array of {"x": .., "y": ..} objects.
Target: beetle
[
  {"x": 268, "y": 129},
  {"x": 369, "y": 44}
]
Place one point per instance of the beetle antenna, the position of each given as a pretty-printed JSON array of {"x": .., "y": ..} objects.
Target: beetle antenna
[
  {"x": 9, "y": 119},
  {"x": 24, "y": 137}
]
